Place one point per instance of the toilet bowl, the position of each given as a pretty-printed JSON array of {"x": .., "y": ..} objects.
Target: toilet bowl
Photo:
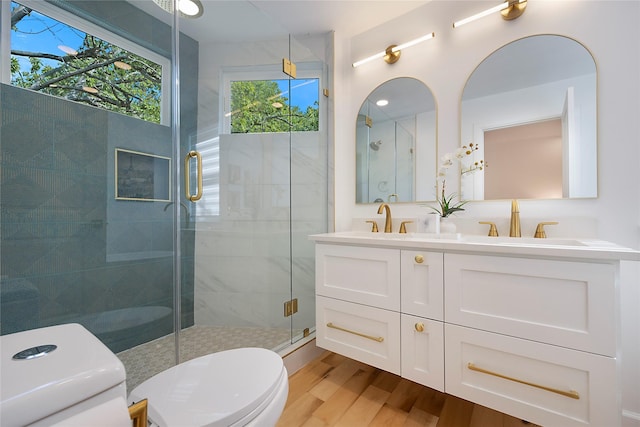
[
  {"x": 64, "y": 376},
  {"x": 239, "y": 387}
]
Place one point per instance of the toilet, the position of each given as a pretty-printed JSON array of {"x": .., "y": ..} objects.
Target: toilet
[
  {"x": 240, "y": 387},
  {"x": 64, "y": 376}
]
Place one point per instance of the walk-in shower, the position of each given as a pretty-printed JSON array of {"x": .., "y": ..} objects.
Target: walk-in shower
[{"x": 120, "y": 248}]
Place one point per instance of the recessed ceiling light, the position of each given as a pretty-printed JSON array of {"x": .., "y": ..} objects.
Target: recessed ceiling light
[
  {"x": 382, "y": 102},
  {"x": 190, "y": 8},
  {"x": 187, "y": 8}
]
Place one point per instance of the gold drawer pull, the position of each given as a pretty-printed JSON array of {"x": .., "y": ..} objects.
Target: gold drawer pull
[
  {"x": 571, "y": 393},
  {"x": 419, "y": 327},
  {"x": 378, "y": 339},
  {"x": 419, "y": 259}
]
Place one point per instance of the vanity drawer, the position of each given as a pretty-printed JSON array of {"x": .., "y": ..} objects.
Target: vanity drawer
[
  {"x": 567, "y": 303},
  {"x": 364, "y": 275},
  {"x": 363, "y": 333},
  {"x": 422, "y": 351},
  {"x": 527, "y": 379},
  {"x": 422, "y": 283}
]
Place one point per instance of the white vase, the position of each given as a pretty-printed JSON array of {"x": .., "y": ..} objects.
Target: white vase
[{"x": 447, "y": 226}]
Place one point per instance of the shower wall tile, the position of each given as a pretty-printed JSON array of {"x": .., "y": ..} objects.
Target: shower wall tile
[
  {"x": 263, "y": 309},
  {"x": 262, "y": 232},
  {"x": 57, "y": 189},
  {"x": 309, "y": 159},
  {"x": 54, "y": 214}
]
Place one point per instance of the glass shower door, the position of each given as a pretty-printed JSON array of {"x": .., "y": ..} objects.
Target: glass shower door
[{"x": 86, "y": 229}]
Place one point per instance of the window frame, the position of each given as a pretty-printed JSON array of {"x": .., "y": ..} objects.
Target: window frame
[{"x": 74, "y": 21}]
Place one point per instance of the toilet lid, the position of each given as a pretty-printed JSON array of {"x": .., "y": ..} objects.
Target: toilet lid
[{"x": 214, "y": 390}]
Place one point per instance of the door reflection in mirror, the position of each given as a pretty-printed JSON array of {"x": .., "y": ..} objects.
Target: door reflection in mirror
[{"x": 537, "y": 79}]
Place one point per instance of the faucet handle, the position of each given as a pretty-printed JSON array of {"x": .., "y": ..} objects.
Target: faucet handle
[
  {"x": 493, "y": 230},
  {"x": 403, "y": 227},
  {"x": 374, "y": 226},
  {"x": 540, "y": 233}
]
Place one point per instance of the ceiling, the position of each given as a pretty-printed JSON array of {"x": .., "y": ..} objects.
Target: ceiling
[{"x": 245, "y": 20}]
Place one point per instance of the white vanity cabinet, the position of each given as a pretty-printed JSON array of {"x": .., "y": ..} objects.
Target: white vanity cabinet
[
  {"x": 422, "y": 329},
  {"x": 358, "y": 302},
  {"x": 533, "y": 337},
  {"x": 529, "y": 330},
  {"x": 360, "y": 312}
]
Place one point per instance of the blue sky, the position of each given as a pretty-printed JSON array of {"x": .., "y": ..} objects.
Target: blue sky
[
  {"x": 39, "y": 33},
  {"x": 304, "y": 92}
]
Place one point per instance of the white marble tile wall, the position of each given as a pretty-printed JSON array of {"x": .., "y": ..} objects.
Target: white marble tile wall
[{"x": 248, "y": 258}]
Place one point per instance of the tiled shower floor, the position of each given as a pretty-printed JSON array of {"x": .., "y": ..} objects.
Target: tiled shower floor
[{"x": 146, "y": 360}]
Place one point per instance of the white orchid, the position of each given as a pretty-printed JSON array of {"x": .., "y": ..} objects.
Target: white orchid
[
  {"x": 446, "y": 161},
  {"x": 446, "y": 205}
]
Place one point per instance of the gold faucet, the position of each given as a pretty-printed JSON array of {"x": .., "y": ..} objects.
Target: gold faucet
[
  {"x": 387, "y": 220},
  {"x": 514, "y": 228}
]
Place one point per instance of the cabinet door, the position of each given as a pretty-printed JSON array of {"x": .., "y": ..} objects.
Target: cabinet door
[
  {"x": 540, "y": 383},
  {"x": 566, "y": 303},
  {"x": 359, "y": 274},
  {"x": 421, "y": 286},
  {"x": 422, "y": 351},
  {"x": 367, "y": 334}
]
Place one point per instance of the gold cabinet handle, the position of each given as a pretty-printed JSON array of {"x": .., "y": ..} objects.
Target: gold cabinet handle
[
  {"x": 571, "y": 393},
  {"x": 419, "y": 327},
  {"x": 187, "y": 176},
  {"x": 370, "y": 337},
  {"x": 419, "y": 259}
]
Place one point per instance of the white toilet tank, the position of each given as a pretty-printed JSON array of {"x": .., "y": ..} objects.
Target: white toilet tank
[{"x": 60, "y": 374}]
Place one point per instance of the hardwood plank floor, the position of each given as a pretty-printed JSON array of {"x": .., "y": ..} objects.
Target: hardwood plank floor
[{"x": 334, "y": 390}]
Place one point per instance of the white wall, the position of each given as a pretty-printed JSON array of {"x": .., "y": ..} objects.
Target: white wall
[{"x": 609, "y": 29}]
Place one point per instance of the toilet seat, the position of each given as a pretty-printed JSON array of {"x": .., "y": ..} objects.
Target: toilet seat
[{"x": 227, "y": 388}]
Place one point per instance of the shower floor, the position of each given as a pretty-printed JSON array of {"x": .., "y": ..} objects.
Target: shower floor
[{"x": 146, "y": 360}]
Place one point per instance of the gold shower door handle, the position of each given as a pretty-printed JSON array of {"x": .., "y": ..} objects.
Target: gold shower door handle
[
  {"x": 187, "y": 176},
  {"x": 571, "y": 393}
]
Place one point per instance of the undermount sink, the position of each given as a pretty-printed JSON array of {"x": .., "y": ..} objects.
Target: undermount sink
[
  {"x": 463, "y": 238},
  {"x": 522, "y": 241}
]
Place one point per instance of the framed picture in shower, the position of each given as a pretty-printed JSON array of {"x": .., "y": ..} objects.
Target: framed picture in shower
[{"x": 142, "y": 176}]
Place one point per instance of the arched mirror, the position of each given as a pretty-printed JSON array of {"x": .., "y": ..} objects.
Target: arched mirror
[
  {"x": 396, "y": 143},
  {"x": 530, "y": 107}
]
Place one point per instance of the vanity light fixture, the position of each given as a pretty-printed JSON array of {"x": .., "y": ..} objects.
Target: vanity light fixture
[
  {"x": 392, "y": 53},
  {"x": 510, "y": 9}
]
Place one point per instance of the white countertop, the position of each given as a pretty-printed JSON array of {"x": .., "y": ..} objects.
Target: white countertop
[{"x": 585, "y": 249}]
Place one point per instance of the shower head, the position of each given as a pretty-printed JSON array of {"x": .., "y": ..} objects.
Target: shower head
[{"x": 375, "y": 145}]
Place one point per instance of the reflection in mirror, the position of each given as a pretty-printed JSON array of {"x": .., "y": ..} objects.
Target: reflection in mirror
[
  {"x": 396, "y": 144},
  {"x": 531, "y": 108}
]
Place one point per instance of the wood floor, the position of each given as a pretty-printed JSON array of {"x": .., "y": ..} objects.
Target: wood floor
[{"x": 333, "y": 390}]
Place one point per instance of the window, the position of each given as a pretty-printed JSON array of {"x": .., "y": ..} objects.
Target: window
[
  {"x": 56, "y": 53},
  {"x": 258, "y": 104}
]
